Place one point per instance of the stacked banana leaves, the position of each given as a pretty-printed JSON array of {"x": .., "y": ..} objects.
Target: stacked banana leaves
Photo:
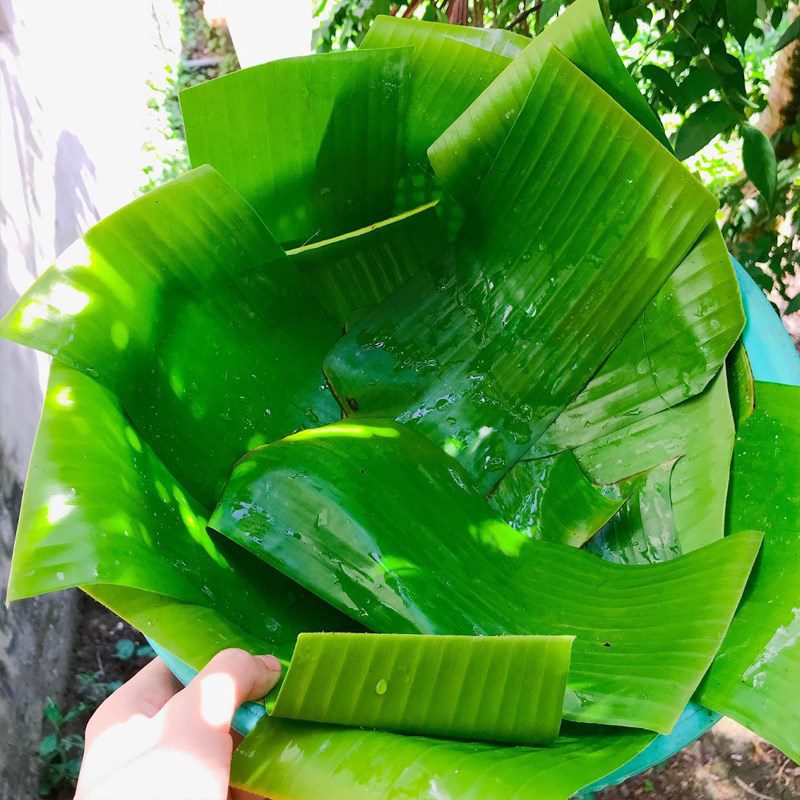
[{"x": 437, "y": 338}]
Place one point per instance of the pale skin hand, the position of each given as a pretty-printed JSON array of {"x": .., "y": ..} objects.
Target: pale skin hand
[{"x": 155, "y": 740}]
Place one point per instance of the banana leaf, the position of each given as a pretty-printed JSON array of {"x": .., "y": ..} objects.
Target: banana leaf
[
  {"x": 463, "y": 156},
  {"x": 486, "y": 688},
  {"x": 670, "y": 354},
  {"x": 314, "y": 143},
  {"x": 551, "y": 498},
  {"x": 357, "y": 270},
  {"x": 376, "y": 520},
  {"x": 289, "y": 760},
  {"x": 741, "y": 384},
  {"x": 700, "y": 434},
  {"x": 754, "y": 677},
  {"x": 446, "y": 74},
  {"x": 483, "y": 354},
  {"x": 161, "y": 303},
  {"x": 101, "y": 511}
]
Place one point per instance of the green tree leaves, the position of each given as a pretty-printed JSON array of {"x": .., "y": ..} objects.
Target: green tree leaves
[
  {"x": 741, "y": 14},
  {"x": 700, "y": 127},
  {"x": 759, "y": 160}
]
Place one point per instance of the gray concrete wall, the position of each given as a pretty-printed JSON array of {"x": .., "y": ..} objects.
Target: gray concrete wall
[{"x": 73, "y": 122}]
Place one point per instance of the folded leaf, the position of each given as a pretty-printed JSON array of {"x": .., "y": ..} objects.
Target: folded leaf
[
  {"x": 488, "y": 688},
  {"x": 482, "y": 355},
  {"x": 161, "y": 303},
  {"x": 291, "y": 760},
  {"x": 741, "y": 385},
  {"x": 755, "y": 679},
  {"x": 377, "y": 521},
  {"x": 314, "y": 143},
  {"x": 700, "y": 433},
  {"x": 464, "y": 154},
  {"x": 101, "y": 511},
  {"x": 677, "y": 345},
  {"x": 552, "y": 499},
  {"x": 357, "y": 270}
]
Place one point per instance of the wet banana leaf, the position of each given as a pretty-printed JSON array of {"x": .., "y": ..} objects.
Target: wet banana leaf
[
  {"x": 483, "y": 354},
  {"x": 102, "y": 512},
  {"x": 670, "y": 354},
  {"x": 699, "y": 433},
  {"x": 357, "y": 270},
  {"x": 314, "y": 143},
  {"x": 484, "y": 688},
  {"x": 296, "y": 760},
  {"x": 551, "y": 499},
  {"x": 376, "y": 520},
  {"x": 446, "y": 74},
  {"x": 754, "y": 677},
  {"x": 643, "y": 531},
  {"x": 161, "y": 302},
  {"x": 464, "y": 154}
]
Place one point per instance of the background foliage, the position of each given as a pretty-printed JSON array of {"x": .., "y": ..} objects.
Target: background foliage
[{"x": 723, "y": 74}]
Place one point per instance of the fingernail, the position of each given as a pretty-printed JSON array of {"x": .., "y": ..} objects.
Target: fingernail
[{"x": 271, "y": 662}]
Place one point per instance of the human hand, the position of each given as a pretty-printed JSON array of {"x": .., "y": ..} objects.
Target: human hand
[{"x": 155, "y": 740}]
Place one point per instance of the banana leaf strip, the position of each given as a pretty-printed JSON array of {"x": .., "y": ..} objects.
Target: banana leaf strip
[
  {"x": 314, "y": 144},
  {"x": 446, "y": 74},
  {"x": 291, "y": 760},
  {"x": 673, "y": 350},
  {"x": 357, "y": 270},
  {"x": 552, "y": 499},
  {"x": 741, "y": 384},
  {"x": 755, "y": 679},
  {"x": 643, "y": 531},
  {"x": 482, "y": 354},
  {"x": 102, "y": 512},
  {"x": 485, "y": 688},
  {"x": 379, "y": 522},
  {"x": 464, "y": 154},
  {"x": 700, "y": 434},
  {"x": 161, "y": 303}
]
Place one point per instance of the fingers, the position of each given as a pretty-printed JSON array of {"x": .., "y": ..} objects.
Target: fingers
[
  {"x": 230, "y": 678},
  {"x": 144, "y": 694}
]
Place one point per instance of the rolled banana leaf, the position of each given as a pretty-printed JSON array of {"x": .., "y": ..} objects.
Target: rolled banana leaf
[
  {"x": 101, "y": 511},
  {"x": 477, "y": 688},
  {"x": 514, "y": 339},
  {"x": 379, "y": 522},
  {"x": 162, "y": 301},
  {"x": 551, "y": 498},
  {"x": 754, "y": 677},
  {"x": 314, "y": 144}
]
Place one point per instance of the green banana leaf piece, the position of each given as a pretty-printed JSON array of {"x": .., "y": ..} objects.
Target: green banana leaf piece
[
  {"x": 161, "y": 303},
  {"x": 754, "y": 677},
  {"x": 643, "y": 531},
  {"x": 670, "y": 354},
  {"x": 700, "y": 433},
  {"x": 357, "y": 270},
  {"x": 482, "y": 355},
  {"x": 741, "y": 384},
  {"x": 314, "y": 143},
  {"x": 445, "y": 75},
  {"x": 379, "y": 522},
  {"x": 464, "y": 154},
  {"x": 486, "y": 688},
  {"x": 551, "y": 498},
  {"x": 102, "y": 512},
  {"x": 289, "y": 760}
]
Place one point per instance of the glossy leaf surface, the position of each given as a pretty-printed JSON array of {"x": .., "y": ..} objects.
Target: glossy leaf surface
[
  {"x": 101, "y": 511},
  {"x": 464, "y": 154},
  {"x": 314, "y": 143},
  {"x": 754, "y": 678},
  {"x": 486, "y": 688},
  {"x": 482, "y": 355},
  {"x": 296, "y": 760},
  {"x": 377, "y": 521},
  {"x": 550, "y": 498},
  {"x": 357, "y": 270},
  {"x": 161, "y": 302}
]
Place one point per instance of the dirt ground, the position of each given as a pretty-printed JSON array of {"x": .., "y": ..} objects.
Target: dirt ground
[{"x": 728, "y": 763}]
